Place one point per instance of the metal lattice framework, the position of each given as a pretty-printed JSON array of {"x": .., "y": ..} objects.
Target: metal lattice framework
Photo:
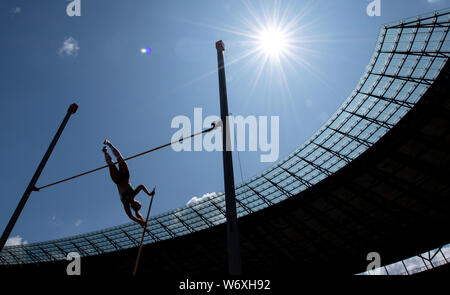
[
  {"x": 420, "y": 263},
  {"x": 408, "y": 58}
]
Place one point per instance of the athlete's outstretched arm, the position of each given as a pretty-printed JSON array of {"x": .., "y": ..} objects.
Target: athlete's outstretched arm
[
  {"x": 130, "y": 215},
  {"x": 142, "y": 187},
  {"x": 139, "y": 216}
]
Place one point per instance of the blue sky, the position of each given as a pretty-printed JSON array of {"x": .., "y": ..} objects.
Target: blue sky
[{"x": 49, "y": 60}]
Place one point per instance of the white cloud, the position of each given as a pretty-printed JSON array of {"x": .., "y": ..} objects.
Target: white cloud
[
  {"x": 308, "y": 103},
  {"x": 14, "y": 241},
  {"x": 195, "y": 200},
  {"x": 69, "y": 47},
  {"x": 433, "y": 1},
  {"x": 55, "y": 221},
  {"x": 78, "y": 222},
  {"x": 16, "y": 10}
]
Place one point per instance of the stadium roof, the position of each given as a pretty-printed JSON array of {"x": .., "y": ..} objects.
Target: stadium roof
[{"x": 370, "y": 173}]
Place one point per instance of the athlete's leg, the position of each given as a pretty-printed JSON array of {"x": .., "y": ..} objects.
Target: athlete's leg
[
  {"x": 108, "y": 158},
  {"x": 113, "y": 172},
  {"x": 143, "y": 188},
  {"x": 114, "y": 150},
  {"x": 123, "y": 167}
]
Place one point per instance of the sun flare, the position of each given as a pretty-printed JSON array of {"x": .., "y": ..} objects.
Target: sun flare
[{"x": 272, "y": 42}]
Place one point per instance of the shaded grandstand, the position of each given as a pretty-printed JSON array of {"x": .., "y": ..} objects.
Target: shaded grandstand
[{"x": 374, "y": 178}]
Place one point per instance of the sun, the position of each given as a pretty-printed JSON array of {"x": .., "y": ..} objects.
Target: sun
[{"x": 272, "y": 41}]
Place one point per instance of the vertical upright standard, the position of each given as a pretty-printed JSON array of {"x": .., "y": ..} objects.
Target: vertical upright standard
[
  {"x": 32, "y": 185},
  {"x": 234, "y": 253}
]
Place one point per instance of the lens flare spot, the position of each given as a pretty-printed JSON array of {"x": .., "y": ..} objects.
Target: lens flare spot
[{"x": 146, "y": 50}]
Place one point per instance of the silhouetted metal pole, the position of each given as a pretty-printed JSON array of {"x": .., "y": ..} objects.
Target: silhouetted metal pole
[
  {"x": 234, "y": 253},
  {"x": 32, "y": 185}
]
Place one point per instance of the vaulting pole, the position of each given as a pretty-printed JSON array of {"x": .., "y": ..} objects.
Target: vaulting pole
[
  {"x": 31, "y": 186},
  {"x": 234, "y": 253},
  {"x": 138, "y": 258}
]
